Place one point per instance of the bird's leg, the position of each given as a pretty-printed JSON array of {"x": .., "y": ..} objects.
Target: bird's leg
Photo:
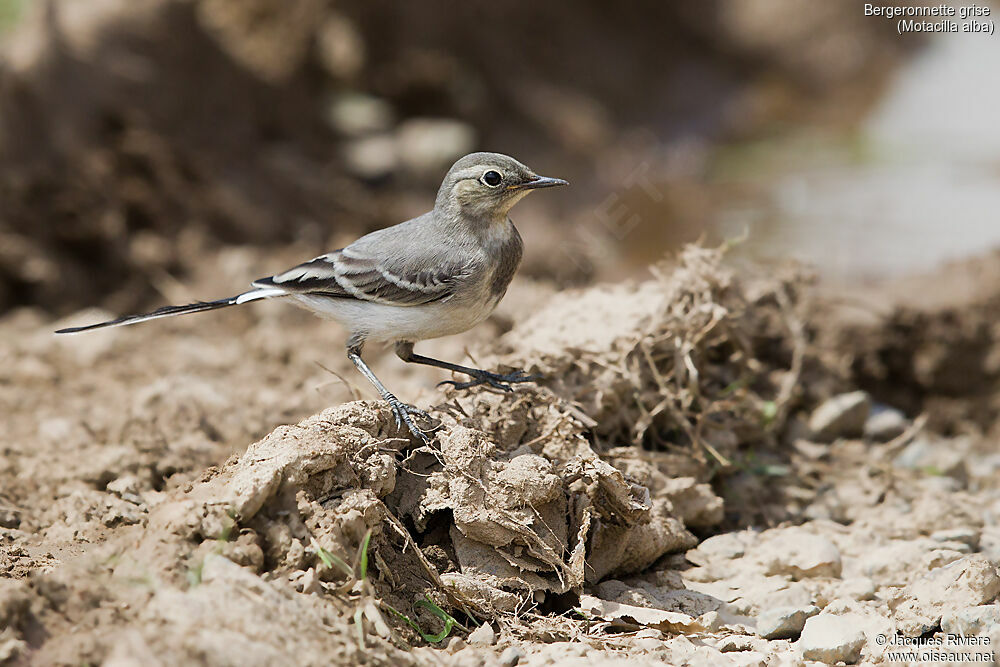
[
  {"x": 401, "y": 410},
  {"x": 404, "y": 350}
]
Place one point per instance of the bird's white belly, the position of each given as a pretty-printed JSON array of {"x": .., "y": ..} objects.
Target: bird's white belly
[{"x": 381, "y": 322}]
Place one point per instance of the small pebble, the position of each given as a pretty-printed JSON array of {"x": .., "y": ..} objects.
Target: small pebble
[
  {"x": 784, "y": 622},
  {"x": 885, "y": 424},
  {"x": 511, "y": 656},
  {"x": 734, "y": 643},
  {"x": 647, "y": 644},
  {"x": 968, "y": 536},
  {"x": 484, "y": 635},
  {"x": 832, "y": 639},
  {"x": 455, "y": 644},
  {"x": 841, "y": 416}
]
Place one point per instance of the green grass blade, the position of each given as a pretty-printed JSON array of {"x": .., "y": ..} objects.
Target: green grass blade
[
  {"x": 363, "y": 556},
  {"x": 449, "y": 621}
]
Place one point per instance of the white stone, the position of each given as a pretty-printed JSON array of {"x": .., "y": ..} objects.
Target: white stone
[
  {"x": 964, "y": 535},
  {"x": 647, "y": 643},
  {"x": 800, "y": 554},
  {"x": 484, "y": 635},
  {"x": 455, "y": 644},
  {"x": 856, "y": 588},
  {"x": 832, "y": 639},
  {"x": 971, "y": 620},
  {"x": 749, "y": 659},
  {"x": 735, "y": 643},
  {"x": 725, "y": 546},
  {"x": 511, "y": 656},
  {"x": 426, "y": 145},
  {"x": 843, "y": 415},
  {"x": 966, "y": 582},
  {"x": 372, "y": 156},
  {"x": 886, "y": 424},
  {"x": 945, "y": 457},
  {"x": 356, "y": 114},
  {"x": 784, "y": 622}
]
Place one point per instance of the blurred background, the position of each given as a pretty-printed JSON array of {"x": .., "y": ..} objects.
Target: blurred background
[{"x": 142, "y": 140}]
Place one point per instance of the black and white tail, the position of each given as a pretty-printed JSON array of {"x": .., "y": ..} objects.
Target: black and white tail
[{"x": 170, "y": 311}]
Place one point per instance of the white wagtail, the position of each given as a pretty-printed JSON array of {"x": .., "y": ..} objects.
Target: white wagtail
[{"x": 438, "y": 274}]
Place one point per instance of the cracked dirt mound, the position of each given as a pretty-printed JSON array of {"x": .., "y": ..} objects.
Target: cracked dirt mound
[
  {"x": 522, "y": 500},
  {"x": 572, "y": 514}
]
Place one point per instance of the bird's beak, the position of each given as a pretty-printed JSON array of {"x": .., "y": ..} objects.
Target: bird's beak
[{"x": 538, "y": 182}]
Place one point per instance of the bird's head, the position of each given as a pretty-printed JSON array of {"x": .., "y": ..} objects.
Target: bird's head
[{"x": 487, "y": 185}]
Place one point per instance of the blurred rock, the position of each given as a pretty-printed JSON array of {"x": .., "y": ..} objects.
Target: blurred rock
[
  {"x": 784, "y": 622},
  {"x": 647, "y": 642},
  {"x": 696, "y": 504},
  {"x": 989, "y": 543},
  {"x": 976, "y": 620},
  {"x": 15, "y": 600},
  {"x": 341, "y": 48},
  {"x": 841, "y": 416},
  {"x": 856, "y": 588},
  {"x": 484, "y": 635},
  {"x": 799, "y": 554},
  {"x": 895, "y": 563},
  {"x": 454, "y": 644},
  {"x": 735, "y": 643},
  {"x": 511, "y": 656},
  {"x": 936, "y": 456},
  {"x": 371, "y": 157},
  {"x": 355, "y": 114},
  {"x": 641, "y": 593},
  {"x": 11, "y": 647},
  {"x": 963, "y": 535},
  {"x": 831, "y": 639},
  {"x": 964, "y": 583},
  {"x": 725, "y": 546},
  {"x": 426, "y": 146},
  {"x": 885, "y": 424}
]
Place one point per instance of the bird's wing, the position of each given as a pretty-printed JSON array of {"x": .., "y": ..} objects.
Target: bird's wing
[{"x": 348, "y": 274}]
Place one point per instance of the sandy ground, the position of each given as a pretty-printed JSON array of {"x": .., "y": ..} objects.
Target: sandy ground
[
  {"x": 719, "y": 467},
  {"x": 710, "y": 474}
]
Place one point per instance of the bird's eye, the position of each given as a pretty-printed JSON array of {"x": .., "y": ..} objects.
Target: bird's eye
[{"x": 491, "y": 178}]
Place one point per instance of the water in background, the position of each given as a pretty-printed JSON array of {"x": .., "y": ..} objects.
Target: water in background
[{"x": 918, "y": 185}]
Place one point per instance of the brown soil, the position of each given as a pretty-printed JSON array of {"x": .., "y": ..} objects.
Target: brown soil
[
  {"x": 139, "y": 523},
  {"x": 709, "y": 460}
]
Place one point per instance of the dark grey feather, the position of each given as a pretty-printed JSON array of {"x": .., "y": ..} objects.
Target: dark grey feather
[
  {"x": 166, "y": 311},
  {"x": 342, "y": 275}
]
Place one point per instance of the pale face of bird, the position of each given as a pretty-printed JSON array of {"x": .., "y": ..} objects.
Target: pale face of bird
[{"x": 487, "y": 185}]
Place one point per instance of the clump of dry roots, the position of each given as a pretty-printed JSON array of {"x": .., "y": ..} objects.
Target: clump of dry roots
[
  {"x": 599, "y": 472},
  {"x": 694, "y": 356}
]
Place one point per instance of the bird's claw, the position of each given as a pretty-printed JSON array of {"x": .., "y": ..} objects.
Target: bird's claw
[
  {"x": 496, "y": 380},
  {"x": 402, "y": 411}
]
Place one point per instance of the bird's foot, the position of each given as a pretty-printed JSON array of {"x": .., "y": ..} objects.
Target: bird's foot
[
  {"x": 497, "y": 380},
  {"x": 403, "y": 411}
]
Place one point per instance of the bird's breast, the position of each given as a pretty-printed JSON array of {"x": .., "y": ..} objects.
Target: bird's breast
[{"x": 505, "y": 256}]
